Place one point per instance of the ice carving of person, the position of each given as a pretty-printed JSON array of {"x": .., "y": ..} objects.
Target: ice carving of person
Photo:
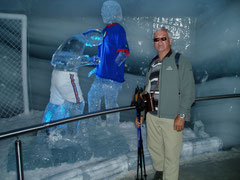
[
  {"x": 66, "y": 97},
  {"x": 110, "y": 71}
]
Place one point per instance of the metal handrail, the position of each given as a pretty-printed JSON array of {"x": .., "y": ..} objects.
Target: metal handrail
[
  {"x": 89, "y": 115},
  {"x": 218, "y": 97},
  {"x": 62, "y": 121}
]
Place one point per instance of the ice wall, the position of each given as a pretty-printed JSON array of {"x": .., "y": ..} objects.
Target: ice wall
[
  {"x": 217, "y": 70},
  {"x": 212, "y": 45},
  {"x": 218, "y": 45},
  {"x": 140, "y": 34}
]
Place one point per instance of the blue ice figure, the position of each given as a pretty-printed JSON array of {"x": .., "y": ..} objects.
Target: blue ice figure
[
  {"x": 109, "y": 90},
  {"x": 57, "y": 112},
  {"x": 66, "y": 97},
  {"x": 110, "y": 71}
]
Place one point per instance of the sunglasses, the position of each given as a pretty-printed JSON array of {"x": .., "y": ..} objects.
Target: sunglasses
[{"x": 161, "y": 38}]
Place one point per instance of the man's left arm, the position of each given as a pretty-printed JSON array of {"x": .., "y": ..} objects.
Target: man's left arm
[{"x": 187, "y": 94}]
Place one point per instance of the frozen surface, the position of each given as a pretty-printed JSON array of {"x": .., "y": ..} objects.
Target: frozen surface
[
  {"x": 107, "y": 155},
  {"x": 205, "y": 31},
  {"x": 209, "y": 36},
  {"x": 220, "y": 116}
]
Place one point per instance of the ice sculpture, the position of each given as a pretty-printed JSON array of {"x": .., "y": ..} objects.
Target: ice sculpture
[
  {"x": 110, "y": 71},
  {"x": 66, "y": 97},
  {"x": 111, "y": 12}
]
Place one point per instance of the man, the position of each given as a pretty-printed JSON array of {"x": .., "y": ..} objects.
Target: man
[
  {"x": 66, "y": 97},
  {"x": 110, "y": 72},
  {"x": 172, "y": 83}
]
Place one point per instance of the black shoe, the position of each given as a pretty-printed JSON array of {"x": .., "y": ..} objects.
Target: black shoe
[{"x": 158, "y": 175}]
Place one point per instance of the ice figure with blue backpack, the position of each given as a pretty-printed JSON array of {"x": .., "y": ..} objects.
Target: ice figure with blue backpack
[
  {"x": 66, "y": 98},
  {"x": 110, "y": 71}
]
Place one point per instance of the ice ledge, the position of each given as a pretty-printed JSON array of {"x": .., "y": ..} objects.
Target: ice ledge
[{"x": 115, "y": 167}]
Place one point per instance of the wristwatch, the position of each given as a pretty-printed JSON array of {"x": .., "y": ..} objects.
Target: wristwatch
[{"x": 182, "y": 116}]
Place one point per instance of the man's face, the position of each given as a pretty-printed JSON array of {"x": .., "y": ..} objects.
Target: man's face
[{"x": 161, "y": 41}]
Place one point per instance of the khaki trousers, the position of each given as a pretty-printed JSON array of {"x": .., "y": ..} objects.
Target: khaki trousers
[{"x": 164, "y": 145}]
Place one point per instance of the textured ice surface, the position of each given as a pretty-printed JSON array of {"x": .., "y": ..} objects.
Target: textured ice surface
[
  {"x": 106, "y": 155},
  {"x": 216, "y": 57},
  {"x": 43, "y": 151}
]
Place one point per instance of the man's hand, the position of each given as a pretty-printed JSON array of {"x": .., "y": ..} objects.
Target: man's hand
[
  {"x": 179, "y": 123},
  {"x": 138, "y": 124}
]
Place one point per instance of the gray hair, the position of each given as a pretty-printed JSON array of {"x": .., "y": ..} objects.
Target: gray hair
[{"x": 166, "y": 30}]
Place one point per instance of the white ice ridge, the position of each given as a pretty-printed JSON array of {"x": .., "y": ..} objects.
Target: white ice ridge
[{"x": 107, "y": 169}]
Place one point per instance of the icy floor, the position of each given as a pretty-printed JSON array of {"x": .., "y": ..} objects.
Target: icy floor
[{"x": 107, "y": 155}]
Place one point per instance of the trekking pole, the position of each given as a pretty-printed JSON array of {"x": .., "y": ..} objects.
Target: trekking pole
[
  {"x": 138, "y": 101},
  {"x": 141, "y": 160},
  {"x": 142, "y": 154}
]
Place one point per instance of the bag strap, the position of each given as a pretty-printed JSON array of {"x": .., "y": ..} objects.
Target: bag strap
[
  {"x": 177, "y": 59},
  {"x": 177, "y": 64}
]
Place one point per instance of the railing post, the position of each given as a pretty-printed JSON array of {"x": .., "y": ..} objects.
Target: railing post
[{"x": 18, "y": 147}]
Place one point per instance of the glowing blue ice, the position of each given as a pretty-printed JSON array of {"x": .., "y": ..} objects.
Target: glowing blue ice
[
  {"x": 66, "y": 97},
  {"x": 70, "y": 54}
]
